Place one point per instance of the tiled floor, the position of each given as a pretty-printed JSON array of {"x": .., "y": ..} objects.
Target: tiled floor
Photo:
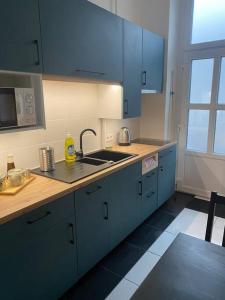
[{"x": 118, "y": 275}]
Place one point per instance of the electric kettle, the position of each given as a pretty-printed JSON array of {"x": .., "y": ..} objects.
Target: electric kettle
[{"x": 124, "y": 137}]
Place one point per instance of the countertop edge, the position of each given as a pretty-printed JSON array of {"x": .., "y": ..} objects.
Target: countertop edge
[{"x": 77, "y": 185}]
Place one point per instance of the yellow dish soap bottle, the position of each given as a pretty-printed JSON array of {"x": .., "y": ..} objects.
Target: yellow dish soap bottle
[{"x": 69, "y": 149}]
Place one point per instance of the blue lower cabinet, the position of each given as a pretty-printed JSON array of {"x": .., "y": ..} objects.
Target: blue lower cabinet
[
  {"x": 149, "y": 194},
  {"x": 38, "y": 253},
  {"x": 124, "y": 190},
  {"x": 166, "y": 174},
  {"x": 92, "y": 224}
]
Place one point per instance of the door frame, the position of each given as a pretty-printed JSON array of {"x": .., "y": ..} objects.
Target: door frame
[{"x": 216, "y": 53}]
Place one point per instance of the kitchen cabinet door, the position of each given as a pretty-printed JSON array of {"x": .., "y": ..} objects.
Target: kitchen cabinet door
[
  {"x": 92, "y": 224},
  {"x": 81, "y": 39},
  {"x": 125, "y": 198},
  {"x": 166, "y": 175},
  {"x": 153, "y": 61},
  {"x": 148, "y": 202},
  {"x": 132, "y": 39},
  {"x": 38, "y": 261},
  {"x": 20, "y": 36}
]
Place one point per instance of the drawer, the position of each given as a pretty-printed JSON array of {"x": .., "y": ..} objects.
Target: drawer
[
  {"x": 93, "y": 189},
  {"x": 167, "y": 152},
  {"x": 149, "y": 181},
  {"x": 148, "y": 204},
  {"x": 39, "y": 220}
]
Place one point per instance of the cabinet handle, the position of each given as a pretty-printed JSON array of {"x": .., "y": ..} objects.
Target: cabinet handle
[
  {"x": 140, "y": 188},
  {"x": 40, "y": 218},
  {"x": 36, "y": 43},
  {"x": 144, "y": 78},
  {"x": 149, "y": 196},
  {"x": 94, "y": 191},
  {"x": 150, "y": 175},
  {"x": 126, "y": 107},
  {"x": 91, "y": 72},
  {"x": 72, "y": 233},
  {"x": 106, "y": 217},
  {"x": 161, "y": 169}
]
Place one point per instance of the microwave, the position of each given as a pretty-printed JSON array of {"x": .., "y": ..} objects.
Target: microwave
[{"x": 17, "y": 107}]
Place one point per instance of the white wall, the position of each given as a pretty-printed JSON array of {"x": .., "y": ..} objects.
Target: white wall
[{"x": 69, "y": 107}]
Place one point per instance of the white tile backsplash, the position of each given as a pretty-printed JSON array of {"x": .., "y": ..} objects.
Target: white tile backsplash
[{"x": 69, "y": 107}]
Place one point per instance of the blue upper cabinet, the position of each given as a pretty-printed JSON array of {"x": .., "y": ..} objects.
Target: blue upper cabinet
[
  {"x": 81, "y": 39},
  {"x": 166, "y": 174},
  {"x": 153, "y": 61},
  {"x": 20, "y": 36},
  {"x": 132, "y": 40}
]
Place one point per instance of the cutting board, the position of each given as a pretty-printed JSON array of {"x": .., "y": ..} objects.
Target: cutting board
[{"x": 14, "y": 190}]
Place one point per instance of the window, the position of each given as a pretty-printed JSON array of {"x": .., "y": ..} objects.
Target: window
[
  {"x": 201, "y": 81},
  {"x": 198, "y": 127},
  {"x": 206, "y": 106},
  {"x": 219, "y": 145},
  {"x": 205, "y": 79},
  {"x": 208, "y": 21},
  {"x": 221, "y": 99}
]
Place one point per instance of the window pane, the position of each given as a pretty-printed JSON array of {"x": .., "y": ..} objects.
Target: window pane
[
  {"x": 219, "y": 144},
  {"x": 221, "y": 98},
  {"x": 198, "y": 130},
  {"x": 208, "y": 21},
  {"x": 201, "y": 80}
]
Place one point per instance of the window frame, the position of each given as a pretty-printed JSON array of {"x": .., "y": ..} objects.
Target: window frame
[
  {"x": 214, "y": 106},
  {"x": 188, "y": 9}
]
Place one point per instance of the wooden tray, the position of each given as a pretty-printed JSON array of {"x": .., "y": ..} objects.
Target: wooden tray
[{"x": 15, "y": 190}]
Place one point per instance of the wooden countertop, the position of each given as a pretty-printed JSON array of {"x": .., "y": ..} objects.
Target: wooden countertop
[{"x": 44, "y": 190}]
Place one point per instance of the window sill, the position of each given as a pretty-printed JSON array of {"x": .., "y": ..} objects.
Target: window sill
[{"x": 205, "y": 155}]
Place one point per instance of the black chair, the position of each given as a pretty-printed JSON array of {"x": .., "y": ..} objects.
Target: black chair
[{"x": 214, "y": 200}]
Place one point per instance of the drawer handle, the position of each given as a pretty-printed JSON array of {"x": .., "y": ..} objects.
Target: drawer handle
[
  {"x": 94, "y": 191},
  {"x": 144, "y": 78},
  {"x": 149, "y": 196},
  {"x": 40, "y": 218},
  {"x": 150, "y": 175},
  {"x": 140, "y": 188},
  {"x": 37, "y": 62},
  {"x": 106, "y": 217},
  {"x": 72, "y": 233},
  {"x": 91, "y": 72}
]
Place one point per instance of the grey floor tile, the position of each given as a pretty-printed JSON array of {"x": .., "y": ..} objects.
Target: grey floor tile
[
  {"x": 160, "y": 219},
  {"x": 144, "y": 236},
  {"x": 122, "y": 259},
  {"x": 96, "y": 285}
]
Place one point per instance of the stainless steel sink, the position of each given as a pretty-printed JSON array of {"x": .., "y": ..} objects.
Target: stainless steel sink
[
  {"x": 88, "y": 165},
  {"x": 112, "y": 156},
  {"x": 92, "y": 161}
]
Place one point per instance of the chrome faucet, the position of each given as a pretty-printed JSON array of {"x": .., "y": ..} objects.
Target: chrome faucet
[{"x": 80, "y": 153}]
